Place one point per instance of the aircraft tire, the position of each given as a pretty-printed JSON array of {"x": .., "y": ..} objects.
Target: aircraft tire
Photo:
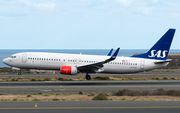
[
  {"x": 88, "y": 77},
  {"x": 19, "y": 73}
]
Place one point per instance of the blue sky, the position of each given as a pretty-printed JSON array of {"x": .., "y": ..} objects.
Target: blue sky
[{"x": 87, "y": 24}]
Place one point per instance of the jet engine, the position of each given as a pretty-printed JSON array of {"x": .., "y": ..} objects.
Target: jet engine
[{"x": 69, "y": 70}]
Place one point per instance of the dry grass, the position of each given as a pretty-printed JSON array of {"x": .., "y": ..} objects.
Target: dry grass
[
  {"x": 44, "y": 97},
  {"x": 77, "y": 97},
  {"x": 165, "y": 70},
  {"x": 146, "y": 98},
  {"x": 146, "y": 77},
  {"x": 72, "y": 78}
]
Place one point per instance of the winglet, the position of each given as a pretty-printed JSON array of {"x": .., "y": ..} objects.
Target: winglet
[
  {"x": 110, "y": 52},
  {"x": 115, "y": 54}
]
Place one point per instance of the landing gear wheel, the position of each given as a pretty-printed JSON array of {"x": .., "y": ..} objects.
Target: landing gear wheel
[
  {"x": 88, "y": 77},
  {"x": 19, "y": 73}
]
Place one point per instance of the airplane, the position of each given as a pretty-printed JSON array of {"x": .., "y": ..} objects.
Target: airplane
[
  {"x": 72, "y": 64},
  {"x": 109, "y": 53}
]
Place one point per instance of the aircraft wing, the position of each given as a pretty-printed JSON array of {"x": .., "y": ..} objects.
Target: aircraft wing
[
  {"x": 97, "y": 67},
  {"x": 109, "y": 53}
]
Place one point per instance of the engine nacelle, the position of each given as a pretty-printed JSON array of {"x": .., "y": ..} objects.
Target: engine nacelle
[{"x": 70, "y": 70}]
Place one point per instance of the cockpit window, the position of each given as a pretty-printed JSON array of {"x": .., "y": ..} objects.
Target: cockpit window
[{"x": 13, "y": 56}]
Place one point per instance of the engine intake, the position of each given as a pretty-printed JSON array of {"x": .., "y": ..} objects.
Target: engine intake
[{"x": 69, "y": 70}]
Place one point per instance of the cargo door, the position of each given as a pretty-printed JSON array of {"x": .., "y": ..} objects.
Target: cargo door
[{"x": 142, "y": 64}]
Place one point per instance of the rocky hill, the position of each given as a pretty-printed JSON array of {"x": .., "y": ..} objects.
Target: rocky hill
[{"x": 175, "y": 64}]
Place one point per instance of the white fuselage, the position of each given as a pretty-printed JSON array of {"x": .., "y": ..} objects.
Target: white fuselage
[{"x": 53, "y": 61}]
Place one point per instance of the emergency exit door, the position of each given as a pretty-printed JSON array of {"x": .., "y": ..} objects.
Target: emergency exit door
[{"x": 24, "y": 57}]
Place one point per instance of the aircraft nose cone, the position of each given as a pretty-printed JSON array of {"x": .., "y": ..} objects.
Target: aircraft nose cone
[{"x": 5, "y": 61}]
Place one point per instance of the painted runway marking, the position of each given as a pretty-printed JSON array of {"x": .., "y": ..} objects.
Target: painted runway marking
[{"x": 146, "y": 107}]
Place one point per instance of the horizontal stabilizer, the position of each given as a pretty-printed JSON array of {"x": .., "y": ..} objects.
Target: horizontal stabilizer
[{"x": 163, "y": 61}]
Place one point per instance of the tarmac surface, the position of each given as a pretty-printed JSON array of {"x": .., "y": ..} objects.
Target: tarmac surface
[
  {"x": 88, "y": 87},
  {"x": 91, "y": 107},
  {"x": 85, "y": 86},
  {"x": 83, "y": 74}
]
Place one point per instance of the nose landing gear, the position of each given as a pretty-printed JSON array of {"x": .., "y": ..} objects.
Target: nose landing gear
[{"x": 19, "y": 73}]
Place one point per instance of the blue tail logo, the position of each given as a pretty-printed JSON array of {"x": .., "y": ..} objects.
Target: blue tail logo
[
  {"x": 160, "y": 50},
  {"x": 158, "y": 54}
]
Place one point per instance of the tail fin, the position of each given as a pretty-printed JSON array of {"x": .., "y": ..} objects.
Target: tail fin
[{"x": 161, "y": 49}]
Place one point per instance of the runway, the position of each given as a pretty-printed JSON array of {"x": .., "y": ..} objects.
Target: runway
[
  {"x": 92, "y": 106},
  {"x": 83, "y": 74},
  {"x": 86, "y": 86},
  {"x": 88, "y": 106}
]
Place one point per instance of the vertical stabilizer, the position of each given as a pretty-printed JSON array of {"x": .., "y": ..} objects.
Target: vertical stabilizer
[{"x": 160, "y": 50}]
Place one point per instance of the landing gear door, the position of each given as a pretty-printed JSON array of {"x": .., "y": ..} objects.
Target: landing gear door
[
  {"x": 142, "y": 64},
  {"x": 24, "y": 57}
]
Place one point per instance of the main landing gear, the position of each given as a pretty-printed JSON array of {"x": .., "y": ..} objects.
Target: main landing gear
[{"x": 88, "y": 77}]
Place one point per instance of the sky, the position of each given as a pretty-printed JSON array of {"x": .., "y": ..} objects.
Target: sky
[{"x": 87, "y": 24}]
